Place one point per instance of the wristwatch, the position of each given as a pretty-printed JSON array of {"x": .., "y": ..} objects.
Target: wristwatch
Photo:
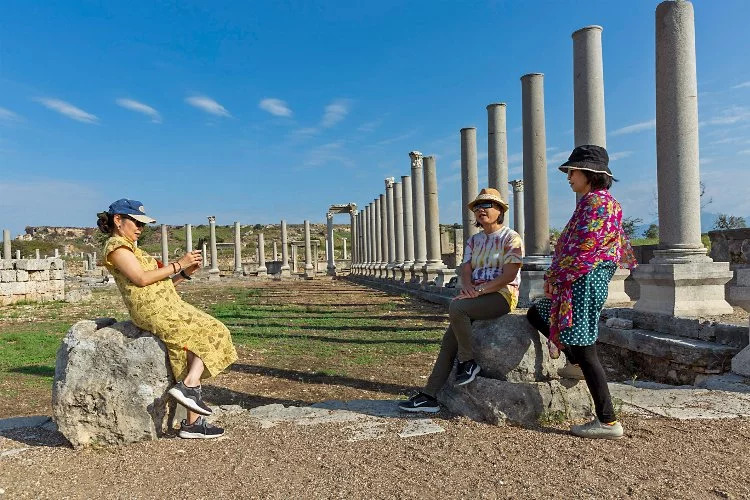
[{"x": 185, "y": 275}]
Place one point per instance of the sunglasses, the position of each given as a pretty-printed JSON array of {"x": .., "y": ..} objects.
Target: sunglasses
[
  {"x": 137, "y": 223},
  {"x": 485, "y": 205}
]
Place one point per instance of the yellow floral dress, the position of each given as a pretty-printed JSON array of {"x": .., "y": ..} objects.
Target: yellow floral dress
[{"x": 159, "y": 309}]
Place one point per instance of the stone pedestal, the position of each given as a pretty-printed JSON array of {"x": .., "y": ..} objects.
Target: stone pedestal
[
  {"x": 616, "y": 293},
  {"x": 689, "y": 290},
  {"x": 741, "y": 362},
  {"x": 518, "y": 383},
  {"x": 532, "y": 279},
  {"x": 739, "y": 290}
]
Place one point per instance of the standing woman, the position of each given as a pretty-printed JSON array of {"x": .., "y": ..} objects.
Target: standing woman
[
  {"x": 490, "y": 282},
  {"x": 198, "y": 345},
  {"x": 588, "y": 252}
]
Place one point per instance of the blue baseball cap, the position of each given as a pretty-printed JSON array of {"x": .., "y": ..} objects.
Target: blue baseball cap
[{"x": 132, "y": 208}]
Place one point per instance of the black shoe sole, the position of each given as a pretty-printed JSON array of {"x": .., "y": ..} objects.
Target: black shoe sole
[
  {"x": 471, "y": 378},
  {"x": 187, "y": 402},
  {"x": 421, "y": 409}
]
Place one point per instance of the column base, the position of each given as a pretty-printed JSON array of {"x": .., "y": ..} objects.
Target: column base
[
  {"x": 262, "y": 272},
  {"x": 687, "y": 290},
  {"x": 617, "y": 294},
  {"x": 309, "y": 272},
  {"x": 532, "y": 287},
  {"x": 444, "y": 276},
  {"x": 331, "y": 271},
  {"x": 415, "y": 272},
  {"x": 405, "y": 272},
  {"x": 285, "y": 272},
  {"x": 430, "y": 273},
  {"x": 390, "y": 272},
  {"x": 380, "y": 271},
  {"x": 213, "y": 275}
]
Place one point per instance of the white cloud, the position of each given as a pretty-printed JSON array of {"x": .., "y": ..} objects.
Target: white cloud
[
  {"x": 744, "y": 152},
  {"x": 326, "y": 153},
  {"x": 742, "y": 85},
  {"x": 67, "y": 109},
  {"x": 139, "y": 107},
  {"x": 619, "y": 155},
  {"x": 306, "y": 131},
  {"x": 636, "y": 127},
  {"x": 276, "y": 107},
  {"x": 730, "y": 116},
  {"x": 208, "y": 105},
  {"x": 557, "y": 158},
  {"x": 335, "y": 112},
  {"x": 396, "y": 138},
  {"x": 8, "y": 115},
  {"x": 369, "y": 126}
]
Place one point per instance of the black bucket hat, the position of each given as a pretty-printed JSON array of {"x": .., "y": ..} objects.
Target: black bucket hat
[{"x": 588, "y": 157}]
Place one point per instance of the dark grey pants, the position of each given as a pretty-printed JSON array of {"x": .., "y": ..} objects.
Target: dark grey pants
[{"x": 457, "y": 338}]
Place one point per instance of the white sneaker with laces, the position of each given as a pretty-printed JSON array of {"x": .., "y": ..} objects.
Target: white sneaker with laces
[{"x": 598, "y": 430}]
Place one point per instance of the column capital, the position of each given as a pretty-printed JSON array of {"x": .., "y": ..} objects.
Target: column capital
[
  {"x": 389, "y": 182},
  {"x": 517, "y": 185},
  {"x": 211, "y": 218},
  {"x": 329, "y": 216},
  {"x": 416, "y": 159}
]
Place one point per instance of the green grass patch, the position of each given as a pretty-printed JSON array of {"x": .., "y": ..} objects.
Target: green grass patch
[{"x": 30, "y": 350}]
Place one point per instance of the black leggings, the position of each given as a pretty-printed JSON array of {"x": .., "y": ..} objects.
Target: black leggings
[{"x": 586, "y": 357}]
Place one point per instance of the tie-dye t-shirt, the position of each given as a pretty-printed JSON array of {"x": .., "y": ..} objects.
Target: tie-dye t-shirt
[{"x": 488, "y": 253}]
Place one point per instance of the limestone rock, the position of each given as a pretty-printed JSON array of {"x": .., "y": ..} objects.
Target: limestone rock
[
  {"x": 518, "y": 382},
  {"x": 111, "y": 382}
]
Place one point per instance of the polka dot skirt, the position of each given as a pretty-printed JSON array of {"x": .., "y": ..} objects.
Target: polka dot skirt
[{"x": 589, "y": 295}]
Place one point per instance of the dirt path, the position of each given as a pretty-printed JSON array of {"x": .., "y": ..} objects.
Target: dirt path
[{"x": 658, "y": 458}]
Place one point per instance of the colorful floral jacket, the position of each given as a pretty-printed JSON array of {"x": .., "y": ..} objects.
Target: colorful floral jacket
[{"x": 594, "y": 234}]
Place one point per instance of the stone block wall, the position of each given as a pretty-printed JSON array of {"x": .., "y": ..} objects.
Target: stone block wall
[
  {"x": 731, "y": 245},
  {"x": 34, "y": 280}
]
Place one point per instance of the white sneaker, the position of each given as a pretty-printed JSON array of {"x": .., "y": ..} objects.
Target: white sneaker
[
  {"x": 571, "y": 371},
  {"x": 598, "y": 430}
]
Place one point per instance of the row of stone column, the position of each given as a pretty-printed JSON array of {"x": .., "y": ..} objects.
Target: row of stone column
[{"x": 397, "y": 236}]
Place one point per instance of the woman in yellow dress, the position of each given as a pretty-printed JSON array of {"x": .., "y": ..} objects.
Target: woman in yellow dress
[{"x": 199, "y": 346}]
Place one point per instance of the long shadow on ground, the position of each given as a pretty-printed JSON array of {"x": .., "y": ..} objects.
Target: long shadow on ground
[
  {"x": 320, "y": 378},
  {"x": 340, "y": 340},
  {"x": 353, "y": 328}
]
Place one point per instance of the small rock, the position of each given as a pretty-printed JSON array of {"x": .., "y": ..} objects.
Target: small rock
[{"x": 620, "y": 323}]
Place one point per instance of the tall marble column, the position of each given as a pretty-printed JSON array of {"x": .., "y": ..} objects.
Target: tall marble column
[
  {"x": 681, "y": 279},
  {"x": 373, "y": 232},
  {"x": 275, "y": 251},
  {"x": 398, "y": 222},
  {"x": 285, "y": 269},
  {"x": 536, "y": 206},
  {"x": 204, "y": 255},
  {"x": 164, "y": 245},
  {"x": 343, "y": 241},
  {"x": 497, "y": 149},
  {"x": 213, "y": 273},
  {"x": 469, "y": 184},
  {"x": 331, "y": 268},
  {"x": 364, "y": 219},
  {"x": 294, "y": 258},
  {"x": 237, "y": 250},
  {"x": 458, "y": 248},
  {"x": 418, "y": 220},
  {"x": 432, "y": 272},
  {"x": 391, "y": 228},
  {"x": 588, "y": 87},
  {"x": 309, "y": 269},
  {"x": 353, "y": 230},
  {"x": 262, "y": 269},
  {"x": 6, "y": 244},
  {"x": 188, "y": 238},
  {"x": 378, "y": 239},
  {"x": 408, "y": 228},
  {"x": 518, "y": 207},
  {"x": 383, "y": 237}
]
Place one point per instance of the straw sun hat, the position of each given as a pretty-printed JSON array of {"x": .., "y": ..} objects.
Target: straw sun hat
[{"x": 489, "y": 194}]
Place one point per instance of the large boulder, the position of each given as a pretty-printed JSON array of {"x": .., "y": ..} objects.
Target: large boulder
[
  {"x": 518, "y": 383},
  {"x": 111, "y": 383}
]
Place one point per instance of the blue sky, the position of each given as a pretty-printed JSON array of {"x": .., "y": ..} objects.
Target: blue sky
[{"x": 258, "y": 111}]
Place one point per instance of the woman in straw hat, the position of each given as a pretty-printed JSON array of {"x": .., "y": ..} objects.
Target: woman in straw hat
[
  {"x": 198, "y": 345},
  {"x": 586, "y": 256},
  {"x": 490, "y": 281}
]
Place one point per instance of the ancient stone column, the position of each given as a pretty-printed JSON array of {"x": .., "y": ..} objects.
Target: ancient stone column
[
  {"x": 391, "y": 228},
  {"x": 432, "y": 270},
  {"x": 237, "y": 250},
  {"x": 188, "y": 238},
  {"x": 36, "y": 254},
  {"x": 518, "y": 206},
  {"x": 204, "y": 255},
  {"x": 164, "y": 245},
  {"x": 408, "y": 228},
  {"x": 275, "y": 251},
  {"x": 18, "y": 254},
  {"x": 213, "y": 273},
  {"x": 6, "y": 244},
  {"x": 681, "y": 279},
  {"x": 497, "y": 149},
  {"x": 378, "y": 239},
  {"x": 398, "y": 221},
  {"x": 364, "y": 236},
  {"x": 458, "y": 249},
  {"x": 262, "y": 269},
  {"x": 383, "y": 237},
  {"x": 354, "y": 231},
  {"x": 285, "y": 271},
  {"x": 294, "y": 258},
  {"x": 469, "y": 184},
  {"x": 372, "y": 239},
  {"x": 536, "y": 240},
  {"x": 57, "y": 253},
  {"x": 309, "y": 270},
  {"x": 343, "y": 241},
  {"x": 588, "y": 87},
  {"x": 418, "y": 220},
  {"x": 331, "y": 269}
]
